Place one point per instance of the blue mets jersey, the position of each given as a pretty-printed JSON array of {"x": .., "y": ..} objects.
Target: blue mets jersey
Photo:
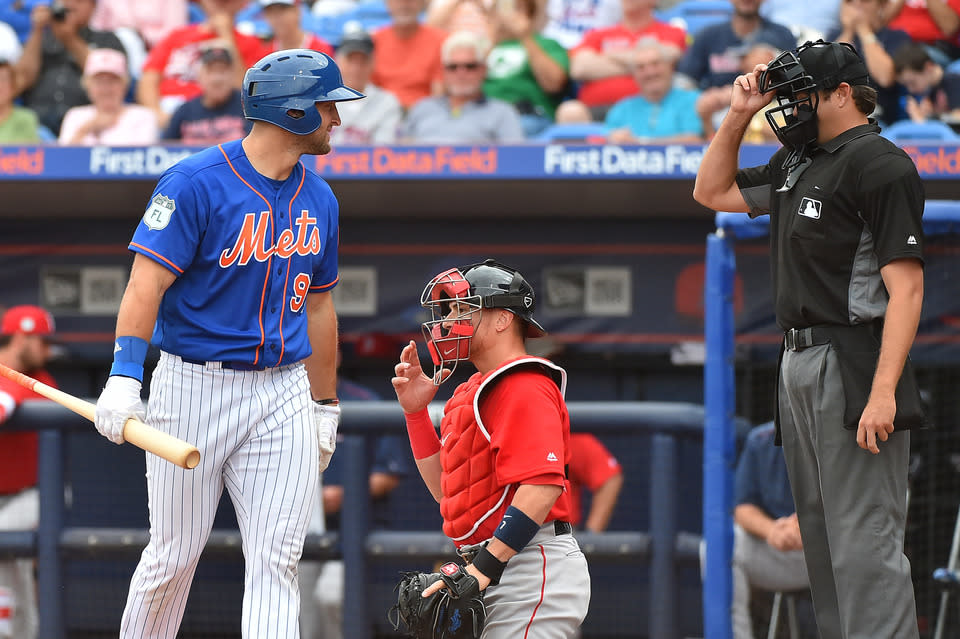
[{"x": 246, "y": 251}]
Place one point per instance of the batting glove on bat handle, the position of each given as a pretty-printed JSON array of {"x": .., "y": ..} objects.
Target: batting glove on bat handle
[
  {"x": 326, "y": 419},
  {"x": 119, "y": 401}
]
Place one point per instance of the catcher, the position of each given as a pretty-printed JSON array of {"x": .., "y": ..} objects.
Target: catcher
[{"x": 497, "y": 469}]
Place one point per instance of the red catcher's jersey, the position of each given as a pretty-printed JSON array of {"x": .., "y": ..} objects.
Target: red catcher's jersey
[
  {"x": 18, "y": 451},
  {"x": 500, "y": 430}
]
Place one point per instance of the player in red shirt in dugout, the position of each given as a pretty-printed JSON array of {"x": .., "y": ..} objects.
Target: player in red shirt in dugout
[
  {"x": 593, "y": 467},
  {"x": 25, "y": 335},
  {"x": 498, "y": 467}
]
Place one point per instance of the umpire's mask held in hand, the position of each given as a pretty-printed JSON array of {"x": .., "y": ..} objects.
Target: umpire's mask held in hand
[
  {"x": 794, "y": 118},
  {"x": 797, "y": 77}
]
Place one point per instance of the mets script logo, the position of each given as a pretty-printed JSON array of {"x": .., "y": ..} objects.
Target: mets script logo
[{"x": 303, "y": 239}]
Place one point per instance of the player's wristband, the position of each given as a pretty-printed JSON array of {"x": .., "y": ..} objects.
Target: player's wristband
[
  {"x": 423, "y": 436},
  {"x": 487, "y": 563},
  {"x": 330, "y": 401},
  {"x": 128, "y": 355},
  {"x": 517, "y": 529}
]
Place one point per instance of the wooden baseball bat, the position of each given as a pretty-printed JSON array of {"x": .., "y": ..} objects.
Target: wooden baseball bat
[{"x": 175, "y": 451}]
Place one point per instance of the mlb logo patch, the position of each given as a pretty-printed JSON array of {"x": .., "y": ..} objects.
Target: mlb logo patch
[
  {"x": 810, "y": 207},
  {"x": 158, "y": 215}
]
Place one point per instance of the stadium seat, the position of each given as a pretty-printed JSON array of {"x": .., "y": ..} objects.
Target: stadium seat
[
  {"x": 195, "y": 13},
  {"x": 46, "y": 135},
  {"x": 372, "y": 11},
  {"x": 330, "y": 27},
  {"x": 575, "y": 132},
  {"x": 930, "y": 130},
  {"x": 251, "y": 21},
  {"x": 694, "y": 15}
]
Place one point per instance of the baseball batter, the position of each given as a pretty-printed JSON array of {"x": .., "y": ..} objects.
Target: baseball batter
[
  {"x": 236, "y": 256},
  {"x": 497, "y": 468}
]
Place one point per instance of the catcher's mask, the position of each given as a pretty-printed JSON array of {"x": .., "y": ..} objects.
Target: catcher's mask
[
  {"x": 456, "y": 295},
  {"x": 797, "y": 77}
]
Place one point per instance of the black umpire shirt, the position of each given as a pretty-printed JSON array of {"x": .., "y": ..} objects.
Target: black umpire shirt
[{"x": 853, "y": 207}]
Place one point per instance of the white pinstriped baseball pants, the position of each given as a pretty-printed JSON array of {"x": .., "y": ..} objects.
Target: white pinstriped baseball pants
[{"x": 256, "y": 437}]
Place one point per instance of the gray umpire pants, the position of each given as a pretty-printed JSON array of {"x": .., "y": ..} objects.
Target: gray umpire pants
[{"x": 851, "y": 505}]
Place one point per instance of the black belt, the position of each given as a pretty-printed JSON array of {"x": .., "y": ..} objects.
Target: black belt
[
  {"x": 860, "y": 336},
  {"x": 234, "y": 366},
  {"x": 470, "y": 551}
]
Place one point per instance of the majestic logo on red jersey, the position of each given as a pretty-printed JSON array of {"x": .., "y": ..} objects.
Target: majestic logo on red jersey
[{"x": 303, "y": 239}]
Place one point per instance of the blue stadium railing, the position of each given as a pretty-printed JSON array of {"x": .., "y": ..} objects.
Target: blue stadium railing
[{"x": 664, "y": 547}]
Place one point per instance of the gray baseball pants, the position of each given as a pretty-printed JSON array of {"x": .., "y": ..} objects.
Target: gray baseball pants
[
  {"x": 851, "y": 505},
  {"x": 544, "y": 592}
]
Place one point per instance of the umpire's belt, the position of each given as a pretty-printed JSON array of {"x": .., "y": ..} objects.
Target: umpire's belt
[
  {"x": 864, "y": 336},
  {"x": 234, "y": 366}
]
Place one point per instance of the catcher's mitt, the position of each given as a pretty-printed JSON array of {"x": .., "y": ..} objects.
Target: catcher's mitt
[{"x": 454, "y": 612}]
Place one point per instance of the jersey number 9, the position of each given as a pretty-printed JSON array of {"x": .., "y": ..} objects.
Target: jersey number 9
[{"x": 301, "y": 284}]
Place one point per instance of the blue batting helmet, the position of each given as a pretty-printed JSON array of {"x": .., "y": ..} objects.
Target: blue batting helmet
[{"x": 283, "y": 88}]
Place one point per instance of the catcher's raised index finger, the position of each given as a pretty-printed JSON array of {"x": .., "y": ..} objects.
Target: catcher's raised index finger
[
  {"x": 409, "y": 354},
  {"x": 434, "y": 587}
]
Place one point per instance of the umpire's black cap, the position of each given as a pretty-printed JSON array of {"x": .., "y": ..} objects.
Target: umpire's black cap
[{"x": 830, "y": 63}]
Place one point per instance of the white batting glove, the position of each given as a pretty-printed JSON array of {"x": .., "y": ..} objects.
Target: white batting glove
[
  {"x": 326, "y": 419},
  {"x": 119, "y": 401}
]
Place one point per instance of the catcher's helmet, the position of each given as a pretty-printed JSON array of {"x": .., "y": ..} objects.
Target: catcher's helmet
[
  {"x": 797, "y": 77},
  {"x": 284, "y": 87},
  {"x": 487, "y": 284}
]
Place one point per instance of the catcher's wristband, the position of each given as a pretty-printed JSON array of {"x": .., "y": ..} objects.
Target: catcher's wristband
[
  {"x": 128, "y": 355},
  {"x": 423, "y": 436},
  {"x": 516, "y": 529},
  {"x": 487, "y": 563}
]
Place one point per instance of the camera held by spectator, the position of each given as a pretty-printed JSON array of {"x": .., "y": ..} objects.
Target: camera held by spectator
[{"x": 58, "y": 12}]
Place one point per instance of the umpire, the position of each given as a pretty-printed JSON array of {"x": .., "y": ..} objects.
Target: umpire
[{"x": 846, "y": 242}]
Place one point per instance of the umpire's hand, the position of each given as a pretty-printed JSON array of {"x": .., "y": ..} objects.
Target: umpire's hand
[
  {"x": 876, "y": 421},
  {"x": 746, "y": 98}
]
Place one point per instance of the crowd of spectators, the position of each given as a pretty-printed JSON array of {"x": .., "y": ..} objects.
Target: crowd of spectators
[{"x": 85, "y": 72}]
